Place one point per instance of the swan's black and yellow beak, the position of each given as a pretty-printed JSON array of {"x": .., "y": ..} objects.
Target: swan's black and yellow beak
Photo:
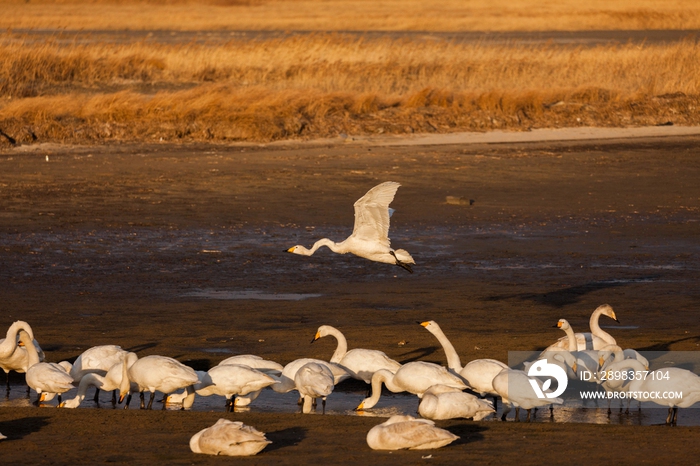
[
  {"x": 316, "y": 337},
  {"x": 290, "y": 249},
  {"x": 360, "y": 407},
  {"x": 425, "y": 324}
]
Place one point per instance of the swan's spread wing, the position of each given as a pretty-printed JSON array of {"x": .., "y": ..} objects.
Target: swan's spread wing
[{"x": 372, "y": 213}]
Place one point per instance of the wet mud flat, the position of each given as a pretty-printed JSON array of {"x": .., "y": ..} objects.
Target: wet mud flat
[{"x": 178, "y": 251}]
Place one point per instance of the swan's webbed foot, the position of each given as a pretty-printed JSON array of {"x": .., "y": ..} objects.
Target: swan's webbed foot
[{"x": 403, "y": 265}]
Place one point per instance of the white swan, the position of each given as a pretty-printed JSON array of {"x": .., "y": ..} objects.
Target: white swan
[
  {"x": 515, "y": 390},
  {"x": 14, "y": 357},
  {"x": 414, "y": 377},
  {"x": 111, "y": 381},
  {"x": 286, "y": 378},
  {"x": 596, "y": 339},
  {"x": 97, "y": 360},
  {"x": 229, "y": 380},
  {"x": 370, "y": 236},
  {"x": 586, "y": 360},
  {"x": 47, "y": 379},
  {"x": 400, "y": 432},
  {"x": 313, "y": 381},
  {"x": 680, "y": 382},
  {"x": 360, "y": 362},
  {"x": 230, "y": 438},
  {"x": 250, "y": 360},
  {"x": 478, "y": 373},
  {"x": 153, "y": 373},
  {"x": 443, "y": 402}
]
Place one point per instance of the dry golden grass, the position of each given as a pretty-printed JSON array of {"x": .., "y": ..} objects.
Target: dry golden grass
[
  {"x": 337, "y": 15},
  {"x": 323, "y": 85}
]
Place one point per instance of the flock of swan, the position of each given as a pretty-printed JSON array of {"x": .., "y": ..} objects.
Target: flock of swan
[{"x": 444, "y": 392}]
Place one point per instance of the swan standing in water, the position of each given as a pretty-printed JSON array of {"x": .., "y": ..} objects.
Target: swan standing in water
[
  {"x": 227, "y": 380},
  {"x": 286, "y": 378},
  {"x": 97, "y": 360},
  {"x": 254, "y": 362},
  {"x": 370, "y": 236},
  {"x": 669, "y": 380},
  {"x": 442, "y": 402},
  {"x": 111, "y": 381},
  {"x": 400, "y": 432},
  {"x": 596, "y": 339},
  {"x": 154, "y": 373},
  {"x": 313, "y": 381},
  {"x": 14, "y": 357},
  {"x": 230, "y": 438},
  {"x": 414, "y": 377},
  {"x": 478, "y": 373},
  {"x": 515, "y": 390},
  {"x": 361, "y": 363},
  {"x": 47, "y": 379}
]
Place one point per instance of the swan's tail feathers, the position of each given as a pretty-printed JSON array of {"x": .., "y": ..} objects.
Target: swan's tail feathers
[
  {"x": 404, "y": 256},
  {"x": 403, "y": 259}
]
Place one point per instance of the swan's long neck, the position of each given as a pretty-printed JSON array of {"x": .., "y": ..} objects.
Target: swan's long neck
[
  {"x": 125, "y": 384},
  {"x": 28, "y": 341},
  {"x": 8, "y": 346},
  {"x": 95, "y": 380},
  {"x": 333, "y": 246},
  {"x": 380, "y": 377},
  {"x": 342, "y": 347},
  {"x": 597, "y": 331},
  {"x": 453, "y": 361},
  {"x": 573, "y": 343}
]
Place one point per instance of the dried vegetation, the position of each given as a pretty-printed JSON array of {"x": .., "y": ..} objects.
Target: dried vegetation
[{"x": 326, "y": 84}]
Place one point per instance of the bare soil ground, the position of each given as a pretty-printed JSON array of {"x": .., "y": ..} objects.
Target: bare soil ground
[{"x": 117, "y": 244}]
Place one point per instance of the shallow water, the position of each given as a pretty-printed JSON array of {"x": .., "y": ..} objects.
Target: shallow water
[{"x": 343, "y": 402}]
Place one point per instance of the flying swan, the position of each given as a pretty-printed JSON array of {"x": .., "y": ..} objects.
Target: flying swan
[{"x": 370, "y": 236}]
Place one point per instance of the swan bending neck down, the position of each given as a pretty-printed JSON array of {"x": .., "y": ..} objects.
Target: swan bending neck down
[
  {"x": 370, "y": 236},
  {"x": 414, "y": 377}
]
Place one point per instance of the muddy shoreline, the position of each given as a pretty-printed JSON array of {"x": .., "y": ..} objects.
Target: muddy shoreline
[{"x": 125, "y": 245}]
